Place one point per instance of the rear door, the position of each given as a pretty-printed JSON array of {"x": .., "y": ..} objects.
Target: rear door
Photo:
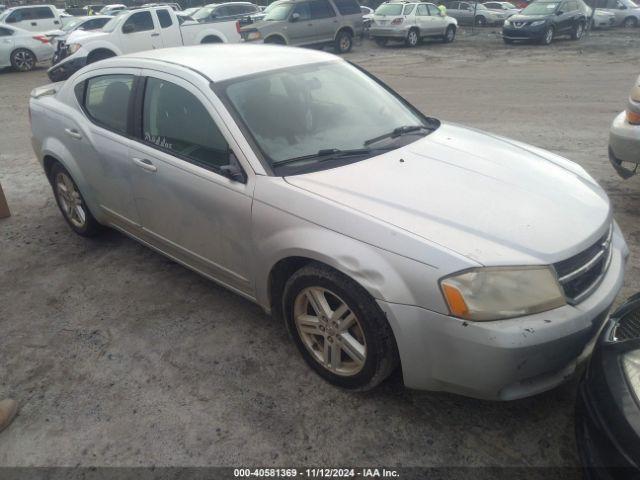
[
  {"x": 438, "y": 21},
  {"x": 47, "y": 19},
  {"x": 6, "y": 46},
  {"x": 139, "y": 33},
  {"x": 169, "y": 29},
  {"x": 324, "y": 20}
]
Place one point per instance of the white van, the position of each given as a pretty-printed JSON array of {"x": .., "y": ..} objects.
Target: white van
[{"x": 35, "y": 18}]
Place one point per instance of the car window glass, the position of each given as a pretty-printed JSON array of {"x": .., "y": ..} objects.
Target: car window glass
[
  {"x": 452, "y": 5},
  {"x": 43, "y": 12},
  {"x": 164, "y": 18},
  {"x": 107, "y": 99},
  {"x": 303, "y": 10},
  {"x": 422, "y": 10},
  {"x": 174, "y": 120},
  {"x": 348, "y": 7},
  {"x": 464, "y": 6},
  {"x": 22, "y": 15},
  {"x": 321, "y": 9},
  {"x": 5, "y": 32},
  {"x": 408, "y": 9},
  {"x": 222, "y": 12},
  {"x": 433, "y": 10},
  {"x": 141, "y": 22}
]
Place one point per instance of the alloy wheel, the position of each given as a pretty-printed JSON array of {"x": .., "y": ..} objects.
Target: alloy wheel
[
  {"x": 330, "y": 331},
  {"x": 70, "y": 200},
  {"x": 345, "y": 43},
  {"x": 579, "y": 31},
  {"x": 23, "y": 60},
  {"x": 412, "y": 38},
  {"x": 451, "y": 33},
  {"x": 548, "y": 36}
]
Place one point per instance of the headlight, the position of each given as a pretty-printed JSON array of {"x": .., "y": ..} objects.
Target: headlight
[
  {"x": 537, "y": 23},
  {"x": 506, "y": 23},
  {"x": 73, "y": 47},
  {"x": 631, "y": 365},
  {"x": 495, "y": 293},
  {"x": 255, "y": 35}
]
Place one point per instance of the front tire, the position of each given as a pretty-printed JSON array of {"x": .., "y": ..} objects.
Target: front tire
[
  {"x": 630, "y": 22},
  {"x": 449, "y": 35},
  {"x": 413, "y": 37},
  {"x": 71, "y": 203},
  {"x": 344, "y": 42},
  {"x": 23, "y": 60},
  {"x": 338, "y": 328},
  {"x": 480, "y": 21},
  {"x": 547, "y": 38}
]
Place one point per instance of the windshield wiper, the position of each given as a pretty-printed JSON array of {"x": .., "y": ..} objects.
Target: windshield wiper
[
  {"x": 327, "y": 154},
  {"x": 400, "y": 131}
]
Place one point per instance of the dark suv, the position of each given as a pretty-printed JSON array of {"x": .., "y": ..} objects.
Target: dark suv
[
  {"x": 308, "y": 23},
  {"x": 544, "y": 20}
]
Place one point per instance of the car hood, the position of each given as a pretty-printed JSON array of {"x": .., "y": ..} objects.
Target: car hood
[
  {"x": 518, "y": 17},
  {"x": 82, "y": 36},
  {"x": 493, "y": 200}
]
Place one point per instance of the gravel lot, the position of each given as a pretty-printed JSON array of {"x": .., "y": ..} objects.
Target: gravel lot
[{"x": 122, "y": 357}]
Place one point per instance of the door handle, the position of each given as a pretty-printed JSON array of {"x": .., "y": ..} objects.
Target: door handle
[
  {"x": 56, "y": 22},
  {"x": 145, "y": 164},
  {"x": 155, "y": 34},
  {"x": 34, "y": 24},
  {"x": 73, "y": 133}
]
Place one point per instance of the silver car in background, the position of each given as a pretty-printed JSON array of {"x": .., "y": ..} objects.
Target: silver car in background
[
  {"x": 503, "y": 7},
  {"x": 22, "y": 49},
  {"x": 381, "y": 236},
  {"x": 624, "y": 136},
  {"x": 410, "y": 22},
  {"x": 471, "y": 13}
]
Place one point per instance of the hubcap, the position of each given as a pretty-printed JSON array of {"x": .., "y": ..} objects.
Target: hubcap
[
  {"x": 450, "y": 34},
  {"x": 344, "y": 43},
  {"x": 70, "y": 200},
  {"x": 23, "y": 60},
  {"x": 413, "y": 38},
  {"x": 549, "y": 36},
  {"x": 330, "y": 331},
  {"x": 579, "y": 31}
]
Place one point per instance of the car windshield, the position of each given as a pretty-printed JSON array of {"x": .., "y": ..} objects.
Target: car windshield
[
  {"x": 389, "y": 9},
  {"x": 329, "y": 107},
  {"x": 111, "y": 25},
  {"x": 540, "y": 8},
  {"x": 278, "y": 12}
]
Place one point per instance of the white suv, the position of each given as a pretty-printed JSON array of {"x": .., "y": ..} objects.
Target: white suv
[
  {"x": 35, "y": 18},
  {"x": 410, "y": 22}
]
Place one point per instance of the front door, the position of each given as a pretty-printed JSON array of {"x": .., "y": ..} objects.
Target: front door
[
  {"x": 6, "y": 46},
  {"x": 324, "y": 19},
  {"x": 300, "y": 29},
  {"x": 139, "y": 33},
  {"x": 189, "y": 208}
]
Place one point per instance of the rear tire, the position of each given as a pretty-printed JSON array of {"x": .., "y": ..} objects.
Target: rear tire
[
  {"x": 344, "y": 42},
  {"x": 578, "y": 31},
  {"x": 71, "y": 203},
  {"x": 449, "y": 35},
  {"x": 338, "y": 328},
  {"x": 381, "y": 42},
  {"x": 413, "y": 38},
  {"x": 23, "y": 60}
]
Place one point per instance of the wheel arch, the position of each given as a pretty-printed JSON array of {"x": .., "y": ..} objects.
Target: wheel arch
[
  {"x": 345, "y": 28},
  {"x": 23, "y": 48},
  {"x": 210, "y": 39},
  {"x": 276, "y": 38},
  {"x": 98, "y": 51}
]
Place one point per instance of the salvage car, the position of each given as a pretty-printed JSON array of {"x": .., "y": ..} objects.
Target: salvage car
[
  {"x": 85, "y": 24},
  {"x": 22, "y": 49},
  {"x": 608, "y": 404},
  {"x": 410, "y": 23},
  {"x": 380, "y": 235},
  {"x": 624, "y": 136},
  {"x": 544, "y": 20}
]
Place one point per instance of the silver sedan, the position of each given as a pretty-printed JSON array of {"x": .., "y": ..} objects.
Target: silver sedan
[
  {"x": 22, "y": 49},
  {"x": 624, "y": 136},
  {"x": 382, "y": 236}
]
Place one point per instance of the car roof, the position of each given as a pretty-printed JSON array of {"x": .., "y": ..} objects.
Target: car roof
[{"x": 226, "y": 61}]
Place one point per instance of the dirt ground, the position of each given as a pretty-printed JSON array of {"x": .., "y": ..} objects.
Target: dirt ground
[{"x": 119, "y": 356}]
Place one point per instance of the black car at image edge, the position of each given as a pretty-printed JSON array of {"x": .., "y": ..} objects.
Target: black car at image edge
[
  {"x": 542, "y": 21},
  {"x": 608, "y": 404}
]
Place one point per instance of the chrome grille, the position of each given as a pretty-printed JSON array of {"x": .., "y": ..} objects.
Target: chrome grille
[
  {"x": 628, "y": 327},
  {"x": 581, "y": 274}
]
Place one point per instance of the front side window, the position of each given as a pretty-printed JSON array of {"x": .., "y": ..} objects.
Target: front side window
[
  {"x": 321, "y": 9},
  {"x": 21, "y": 15},
  {"x": 138, "y": 22},
  {"x": 174, "y": 120},
  {"x": 298, "y": 112},
  {"x": 433, "y": 10},
  {"x": 164, "y": 18},
  {"x": 43, "y": 13},
  {"x": 106, "y": 101}
]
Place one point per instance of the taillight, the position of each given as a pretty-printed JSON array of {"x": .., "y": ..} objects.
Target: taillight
[
  {"x": 633, "y": 118},
  {"x": 41, "y": 38},
  {"x": 397, "y": 21}
]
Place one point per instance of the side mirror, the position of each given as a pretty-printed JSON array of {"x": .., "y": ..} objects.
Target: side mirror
[
  {"x": 128, "y": 28},
  {"x": 234, "y": 170},
  {"x": 559, "y": 12},
  {"x": 295, "y": 17}
]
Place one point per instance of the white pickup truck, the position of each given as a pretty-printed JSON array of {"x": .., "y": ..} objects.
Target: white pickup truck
[{"x": 135, "y": 31}]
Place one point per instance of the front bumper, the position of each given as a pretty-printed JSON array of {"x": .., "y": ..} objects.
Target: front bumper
[
  {"x": 64, "y": 69},
  {"x": 505, "y": 359},
  {"x": 524, "y": 33},
  {"x": 624, "y": 145}
]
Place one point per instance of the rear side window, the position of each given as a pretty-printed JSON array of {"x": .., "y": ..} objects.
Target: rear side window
[
  {"x": 408, "y": 9},
  {"x": 106, "y": 100},
  {"x": 422, "y": 11},
  {"x": 43, "y": 12},
  {"x": 347, "y": 7},
  {"x": 164, "y": 18},
  {"x": 321, "y": 9},
  {"x": 174, "y": 120},
  {"x": 141, "y": 22}
]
